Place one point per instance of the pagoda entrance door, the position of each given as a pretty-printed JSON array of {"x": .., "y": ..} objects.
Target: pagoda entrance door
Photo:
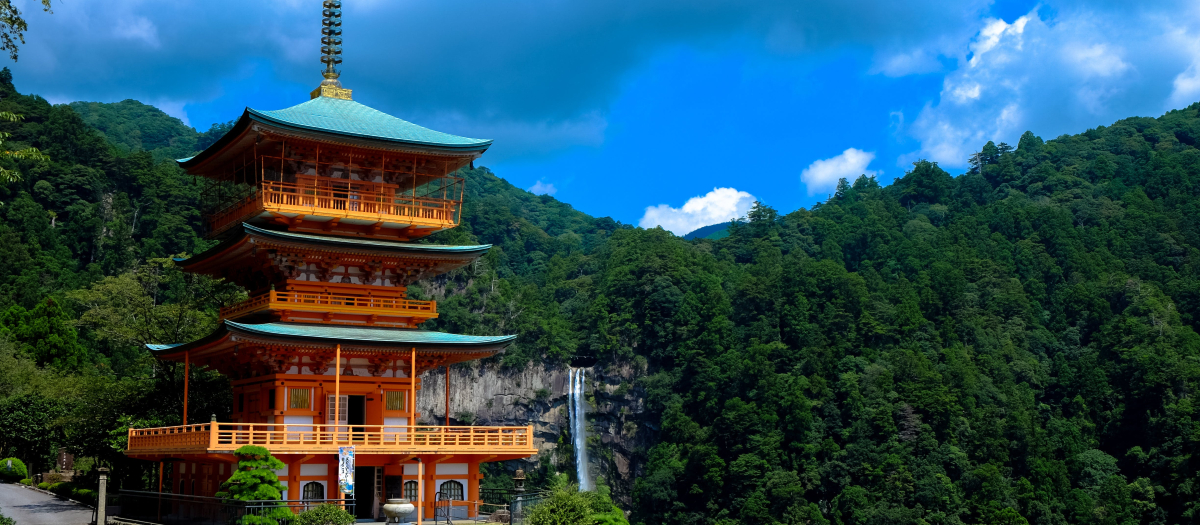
[
  {"x": 364, "y": 492},
  {"x": 356, "y": 413}
]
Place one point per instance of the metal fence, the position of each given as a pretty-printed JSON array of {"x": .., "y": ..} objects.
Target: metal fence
[
  {"x": 180, "y": 509},
  {"x": 175, "y": 509},
  {"x": 521, "y": 505}
]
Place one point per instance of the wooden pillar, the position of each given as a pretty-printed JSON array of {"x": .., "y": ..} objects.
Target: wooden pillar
[
  {"x": 293, "y": 477},
  {"x": 420, "y": 477},
  {"x": 472, "y": 494},
  {"x": 332, "y": 490},
  {"x": 187, "y": 372},
  {"x": 412, "y": 388},
  {"x": 337, "y": 411},
  {"x": 337, "y": 392}
]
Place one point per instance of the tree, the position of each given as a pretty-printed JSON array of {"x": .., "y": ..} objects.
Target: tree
[
  {"x": 13, "y": 26},
  {"x": 255, "y": 480},
  {"x": 45, "y": 334},
  {"x": 28, "y": 153},
  {"x": 155, "y": 303}
]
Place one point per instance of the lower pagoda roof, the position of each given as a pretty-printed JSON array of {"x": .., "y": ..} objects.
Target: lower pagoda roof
[{"x": 239, "y": 349}]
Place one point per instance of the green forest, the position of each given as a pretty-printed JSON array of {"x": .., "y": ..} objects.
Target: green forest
[{"x": 1011, "y": 345}]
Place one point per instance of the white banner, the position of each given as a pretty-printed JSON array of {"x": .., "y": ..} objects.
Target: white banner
[{"x": 346, "y": 470}]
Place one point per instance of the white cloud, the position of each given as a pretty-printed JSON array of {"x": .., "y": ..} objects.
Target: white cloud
[
  {"x": 541, "y": 188},
  {"x": 823, "y": 175},
  {"x": 174, "y": 108},
  {"x": 717, "y": 206},
  {"x": 138, "y": 28},
  {"x": 1099, "y": 60},
  {"x": 1081, "y": 69},
  {"x": 909, "y": 62}
]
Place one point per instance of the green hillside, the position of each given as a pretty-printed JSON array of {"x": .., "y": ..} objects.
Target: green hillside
[
  {"x": 132, "y": 126},
  {"x": 1013, "y": 345}
]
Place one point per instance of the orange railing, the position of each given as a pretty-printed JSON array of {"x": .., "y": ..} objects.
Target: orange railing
[
  {"x": 184, "y": 437},
  {"x": 341, "y": 199},
  {"x": 393, "y": 306},
  {"x": 326, "y": 438}
]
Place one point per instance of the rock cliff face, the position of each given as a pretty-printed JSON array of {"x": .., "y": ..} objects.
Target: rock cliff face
[{"x": 486, "y": 394}]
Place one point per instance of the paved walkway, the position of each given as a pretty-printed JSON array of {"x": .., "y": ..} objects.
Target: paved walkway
[{"x": 30, "y": 507}]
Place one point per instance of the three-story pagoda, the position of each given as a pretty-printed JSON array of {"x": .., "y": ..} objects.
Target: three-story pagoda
[{"x": 315, "y": 207}]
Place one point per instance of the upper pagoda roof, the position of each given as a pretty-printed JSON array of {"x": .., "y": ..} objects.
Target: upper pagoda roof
[
  {"x": 332, "y": 118},
  {"x": 347, "y": 117}
]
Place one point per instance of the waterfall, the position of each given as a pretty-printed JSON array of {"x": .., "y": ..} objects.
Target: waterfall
[{"x": 578, "y": 422}]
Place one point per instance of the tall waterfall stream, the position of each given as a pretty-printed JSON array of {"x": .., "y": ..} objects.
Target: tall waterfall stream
[{"x": 578, "y": 415}]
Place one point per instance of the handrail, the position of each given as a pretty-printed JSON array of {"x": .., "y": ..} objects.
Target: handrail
[
  {"x": 374, "y": 304},
  {"x": 345, "y": 197},
  {"x": 285, "y": 435}
]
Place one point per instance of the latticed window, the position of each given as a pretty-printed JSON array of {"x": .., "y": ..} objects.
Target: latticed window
[
  {"x": 313, "y": 490},
  {"x": 394, "y": 400},
  {"x": 342, "y": 408},
  {"x": 299, "y": 398},
  {"x": 452, "y": 490},
  {"x": 410, "y": 490}
]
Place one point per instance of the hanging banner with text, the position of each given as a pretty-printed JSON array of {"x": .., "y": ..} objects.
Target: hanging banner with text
[{"x": 346, "y": 470}]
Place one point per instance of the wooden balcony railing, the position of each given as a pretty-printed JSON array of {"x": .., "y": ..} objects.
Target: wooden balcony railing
[
  {"x": 290, "y": 438},
  {"x": 354, "y": 304},
  {"x": 339, "y": 199}
]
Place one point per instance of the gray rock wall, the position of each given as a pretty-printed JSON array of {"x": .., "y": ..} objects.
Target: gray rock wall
[{"x": 486, "y": 394}]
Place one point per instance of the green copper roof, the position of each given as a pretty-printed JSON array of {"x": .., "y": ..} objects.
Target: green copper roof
[
  {"x": 462, "y": 254},
  {"x": 342, "y": 334},
  {"x": 353, "y": 242},
  {"x": 347, "y": 117},
  {"x": 367, "y": 334}
]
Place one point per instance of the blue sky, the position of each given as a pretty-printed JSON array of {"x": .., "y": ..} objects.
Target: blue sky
[{"x": 677, "y": 113}]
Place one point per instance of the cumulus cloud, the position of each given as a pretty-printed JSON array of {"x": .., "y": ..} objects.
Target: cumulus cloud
[
  {"x": 717, "y": 206},
  {"x": 1063, "y": 72},
  {"x": 542, "y": 188},
  {"x": 823, "y": 175}
]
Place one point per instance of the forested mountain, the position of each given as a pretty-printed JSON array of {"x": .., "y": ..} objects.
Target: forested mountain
[
  {"x": 1012, "y": 345},
  {"x": 713, "y": 231}
]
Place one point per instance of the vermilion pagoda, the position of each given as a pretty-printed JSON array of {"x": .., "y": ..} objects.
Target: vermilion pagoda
[{"x": 314, "y": 206}]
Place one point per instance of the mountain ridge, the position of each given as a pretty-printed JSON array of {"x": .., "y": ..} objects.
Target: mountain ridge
[{"x": 1016, "y": 344}]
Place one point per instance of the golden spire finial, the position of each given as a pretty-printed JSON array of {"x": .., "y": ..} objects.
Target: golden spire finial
[{"x": 331, "y": 52}]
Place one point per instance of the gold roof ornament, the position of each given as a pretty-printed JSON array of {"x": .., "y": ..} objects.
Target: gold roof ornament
[{"x": 331, "y": 52}]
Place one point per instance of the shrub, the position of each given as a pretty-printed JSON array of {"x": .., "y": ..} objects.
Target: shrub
[
  {"x": 52, "y": 478},
  {"x": 567, "y": 506},
  {"x": 12, "y": 469},
  {"x": 43, "y": 485},
  {"x": 84, "y": 495},
  {"x": 563, "y": 507},
  {"x": 27, "y": 481},
  {"x": 5, "y": 520},
  {"x": 324, "y": 514}
]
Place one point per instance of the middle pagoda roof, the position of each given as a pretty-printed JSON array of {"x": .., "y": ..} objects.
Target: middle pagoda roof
[{"x": 253, "y": 247}]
